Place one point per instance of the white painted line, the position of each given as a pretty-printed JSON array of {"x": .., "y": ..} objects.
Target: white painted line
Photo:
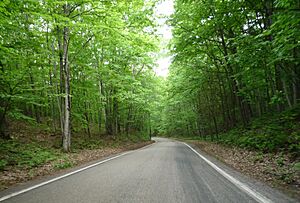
[
  {"x": 68, "y": 174},
  {"x": 254, "y": 194}
]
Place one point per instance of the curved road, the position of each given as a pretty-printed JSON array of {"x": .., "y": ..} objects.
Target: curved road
[{"x": 167, "y": 171}]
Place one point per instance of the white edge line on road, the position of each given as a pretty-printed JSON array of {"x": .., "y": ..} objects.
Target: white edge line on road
[
  {"x": 68, "y": 174},
  {"x": 257, "y": 196}
]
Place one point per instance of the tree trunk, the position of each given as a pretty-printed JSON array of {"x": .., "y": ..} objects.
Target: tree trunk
[
  {"x": 296, "y": 77},
  {"x": 3, "y": 123},
  {"x": 286, "y": 93},
  {"x": 86, "y": 114},
  {"x": 67, "y": 126},
  {"x": 100, "y": 109},
  {"x": 60, "y": 90}
]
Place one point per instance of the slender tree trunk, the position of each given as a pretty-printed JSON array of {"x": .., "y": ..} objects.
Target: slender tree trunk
[
  {"x": 296, "y": 76},
  {"x": 102, "y": 111},
  {"x": 87, "y": 119},
  {"x": 149, "y": 120},
  {"x": 286, "y": 93},
  {"x": 67, "y": 124},
  {"x": 115, "y": 121},
  {"x": 35, "y": 109},
  {"x": 60, "y": 90},
  {"x": 108, "y": 114},
  {"x": 51, "y": 76},
  {"x": 3, "y": 122},
  {"x": 53, "y": 109},
  {"x": 216, "y": 127},
  {"x": 222, "y": 98},
  {"x": 127, "y": 125},
  {"x": 279, "y": 85}
]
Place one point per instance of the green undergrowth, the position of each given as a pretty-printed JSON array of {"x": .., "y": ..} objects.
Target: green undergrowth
[
  {"x": 96, "y": 142},
  {"x": 272, "y": 133},
  {"x": 63, "y": 163},
  {"x": 79, "y": 143},
  {"x": 29, "y": 153},
  {"x": 25, "y": 155},
  {"x": 135, "y": 137}
]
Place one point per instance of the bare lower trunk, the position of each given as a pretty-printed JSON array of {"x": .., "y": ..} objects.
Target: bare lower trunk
[
  {"x": 286, "y": 93},
  {"x": 60, "y": 90},
  {"x": 67, "y": 133},
  {"x": 3, "y": 128},
  {"x": 67, "y": 128},
  {"x": 102, "y": 109}
]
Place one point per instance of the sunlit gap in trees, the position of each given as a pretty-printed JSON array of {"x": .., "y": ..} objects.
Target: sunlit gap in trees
[{"x": 163, "y": 11}]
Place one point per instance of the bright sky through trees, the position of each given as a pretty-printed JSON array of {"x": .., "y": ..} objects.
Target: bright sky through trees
[{"x": 164, "y": 9}]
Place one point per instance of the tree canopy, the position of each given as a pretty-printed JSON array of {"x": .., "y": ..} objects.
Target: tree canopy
[
  {"x": 232, "y": 61},
  {"x": 87, "y": 66},
  {"x": 77, "y": 65}
]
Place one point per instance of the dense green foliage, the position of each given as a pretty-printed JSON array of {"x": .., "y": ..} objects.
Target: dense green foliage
[
  {"x": 269, "y": 133},
  {"x": 78, "y": 65},
  {"x": 85, "y": 67},
  {"x": 25, "y": 155},
  {"x": 234, "y": 61}
]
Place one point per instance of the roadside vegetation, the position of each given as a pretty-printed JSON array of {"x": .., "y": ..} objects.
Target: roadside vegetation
[
  {"x": 33, "y": 151},
  {"x": 267, "y": 149},
  {"x": 270, "y": 133}
]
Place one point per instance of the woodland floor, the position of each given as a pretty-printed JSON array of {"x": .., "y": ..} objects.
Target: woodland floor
[{"x": 277, "y": 170}]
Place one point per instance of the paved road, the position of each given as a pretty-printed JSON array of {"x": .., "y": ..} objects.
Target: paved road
[{"x": 167, "y": 171}]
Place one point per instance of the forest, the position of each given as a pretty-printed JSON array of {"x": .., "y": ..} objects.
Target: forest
[
  {"x": 235, "y": 68},
  {"x": 77, "y": 66},
  {"x": 86, "y": 69}
]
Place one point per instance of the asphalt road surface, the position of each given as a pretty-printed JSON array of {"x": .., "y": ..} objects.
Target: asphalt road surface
[{"x": 167, "y": 171}]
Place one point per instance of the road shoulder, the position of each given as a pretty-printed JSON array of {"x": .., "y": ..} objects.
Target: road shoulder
[{"x": 264, "y": 189}]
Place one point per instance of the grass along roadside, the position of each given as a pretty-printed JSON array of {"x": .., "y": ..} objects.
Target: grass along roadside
[{"x": 22, "y": 161}]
